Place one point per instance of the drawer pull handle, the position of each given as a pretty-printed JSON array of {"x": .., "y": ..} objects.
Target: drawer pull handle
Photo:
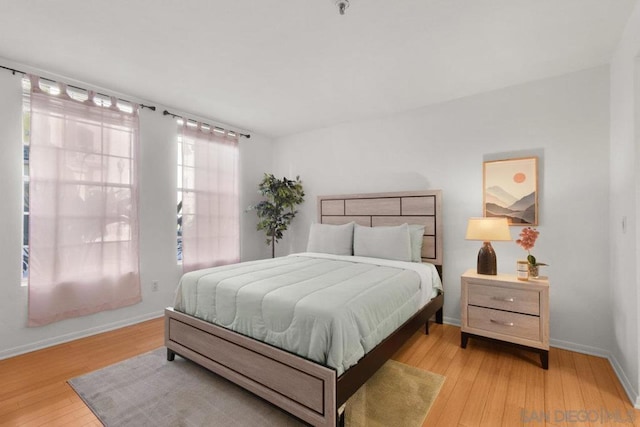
[
  {"x": 501, "y": 323},
  {"x": 504, "y": 299}
]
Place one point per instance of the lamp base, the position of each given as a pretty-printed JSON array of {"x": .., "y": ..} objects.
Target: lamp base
[{"x": 487, "y": 263}]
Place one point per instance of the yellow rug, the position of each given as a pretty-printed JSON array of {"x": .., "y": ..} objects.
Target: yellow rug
[{"x": 397, "y": 395}]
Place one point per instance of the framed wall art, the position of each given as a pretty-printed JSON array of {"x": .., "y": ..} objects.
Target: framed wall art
[{"x": 510, "y": 190}]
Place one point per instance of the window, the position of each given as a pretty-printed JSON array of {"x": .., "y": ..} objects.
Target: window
[
  {"x": 179, "y": 203},
  {"x": 26, "y": 127},
  {"x": 82, "y": 212},
  {"x": 208, "y": 202}
]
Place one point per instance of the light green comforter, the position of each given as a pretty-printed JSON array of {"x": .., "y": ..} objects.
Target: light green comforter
[{"x": 329, "y": 309}]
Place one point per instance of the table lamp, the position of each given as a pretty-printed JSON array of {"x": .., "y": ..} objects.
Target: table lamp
[{"x": 486, "y": 230}]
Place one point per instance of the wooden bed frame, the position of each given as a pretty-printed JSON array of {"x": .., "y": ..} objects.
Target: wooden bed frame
[{"x": 306, "y": 389}]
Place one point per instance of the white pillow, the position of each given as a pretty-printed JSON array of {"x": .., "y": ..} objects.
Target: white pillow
[
  {"x": 331, "y": 239},
  {"x": 382, "y": 242},
  {"x": 415, "y": 233}
]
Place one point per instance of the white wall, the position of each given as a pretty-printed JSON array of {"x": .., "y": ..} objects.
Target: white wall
[
  {"x": 564, "y": 120},
  {"x": 625, "y": 203},
  {"x": 256, "y": 159},
  {"x": 157, "y": 223}
]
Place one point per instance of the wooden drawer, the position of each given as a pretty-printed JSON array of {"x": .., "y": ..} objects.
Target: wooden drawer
[
  {"x": 504, "y": 322},
  {"x": 516, "y": 300}
]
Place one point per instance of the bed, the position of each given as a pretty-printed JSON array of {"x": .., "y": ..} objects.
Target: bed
[{"x": 297, "y": 379}]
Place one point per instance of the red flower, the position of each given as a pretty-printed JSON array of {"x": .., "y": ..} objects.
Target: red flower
[{"x": 528, "y": 238}]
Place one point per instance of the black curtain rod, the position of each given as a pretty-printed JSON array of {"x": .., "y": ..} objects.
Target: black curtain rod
[
  {"x": 176, "y": 116},
  {"x": 14, "y": 71},
  {"x": 150, "y": 107}
]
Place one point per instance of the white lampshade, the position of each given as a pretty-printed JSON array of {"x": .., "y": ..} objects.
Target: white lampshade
[{"x": 488, "y": 229}]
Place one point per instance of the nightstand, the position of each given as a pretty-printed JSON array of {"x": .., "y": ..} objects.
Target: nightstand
[{"x": 506, "y": 309}]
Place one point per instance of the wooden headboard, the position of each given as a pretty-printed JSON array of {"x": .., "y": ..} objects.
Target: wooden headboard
[{"x": 375, "y": 209}]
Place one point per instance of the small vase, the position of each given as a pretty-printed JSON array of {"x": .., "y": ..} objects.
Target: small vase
[{"x": 534, "y": 271}]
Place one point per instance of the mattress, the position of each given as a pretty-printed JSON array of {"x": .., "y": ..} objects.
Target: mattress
[{"x": 327, "y": 308}]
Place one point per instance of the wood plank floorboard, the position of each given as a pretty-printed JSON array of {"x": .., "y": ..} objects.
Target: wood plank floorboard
[
  {"x": 534, "y": 384},
  {"x": 487, "y": 384},
  {"x": 459, "y": 379},
  {"x": 35, "y": 392}
]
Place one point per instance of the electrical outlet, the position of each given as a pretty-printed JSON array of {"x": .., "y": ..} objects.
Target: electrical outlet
[{"x": 154, "y": 286}]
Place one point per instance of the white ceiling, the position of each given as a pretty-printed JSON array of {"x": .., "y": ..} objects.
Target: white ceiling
[{"x": 279, "y": 67}]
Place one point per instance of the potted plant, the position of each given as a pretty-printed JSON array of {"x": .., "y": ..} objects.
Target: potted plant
[
  {"x": 278, "y": 210},
  {"x": 527, "y": 240}
]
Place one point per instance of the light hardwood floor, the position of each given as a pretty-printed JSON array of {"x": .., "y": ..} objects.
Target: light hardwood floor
[
  {"x": 486, "y": 384},
  {"x": 34, "y": 392}
]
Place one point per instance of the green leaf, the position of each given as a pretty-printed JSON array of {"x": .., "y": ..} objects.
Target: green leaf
[{"x": 278, "y": 210}]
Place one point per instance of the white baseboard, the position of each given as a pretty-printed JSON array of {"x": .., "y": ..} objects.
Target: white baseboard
[
  {"x": 632, "y": 394},
  {"x": 624, "y": 380},
  {"x": 16, "y": 351},
  {"x": 579, "y": 348},
  {"x": 451, "y": 321}
]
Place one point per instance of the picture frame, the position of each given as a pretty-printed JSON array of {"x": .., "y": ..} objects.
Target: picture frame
[{"x": 510, "y": 190}]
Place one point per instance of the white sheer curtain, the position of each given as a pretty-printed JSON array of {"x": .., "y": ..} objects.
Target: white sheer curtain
[
  {"x": 83, "y": 236},
  {"x": 210, "y": 204}
]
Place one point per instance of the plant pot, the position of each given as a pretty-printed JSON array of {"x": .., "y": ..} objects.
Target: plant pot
[{"x": 534, "y": 271}]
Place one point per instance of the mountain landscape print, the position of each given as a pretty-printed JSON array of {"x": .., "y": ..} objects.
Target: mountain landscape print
[{"x": 510, "y": 190}]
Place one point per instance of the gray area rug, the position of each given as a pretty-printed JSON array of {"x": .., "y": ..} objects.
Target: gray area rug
[{"x": 147, "y": 390}]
